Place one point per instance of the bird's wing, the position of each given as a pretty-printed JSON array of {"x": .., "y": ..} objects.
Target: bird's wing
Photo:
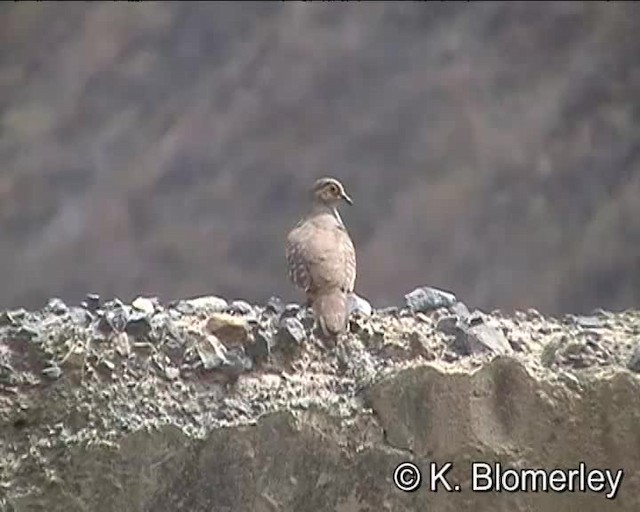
[
  {"x": 321, "y": 255},
  {"x": 297, "y": 258}
]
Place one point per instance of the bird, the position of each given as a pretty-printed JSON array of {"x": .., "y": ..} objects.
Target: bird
[{"x": 321, "y": 257}]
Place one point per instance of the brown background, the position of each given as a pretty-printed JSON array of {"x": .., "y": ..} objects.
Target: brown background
[{"x": 492, "y": 149}]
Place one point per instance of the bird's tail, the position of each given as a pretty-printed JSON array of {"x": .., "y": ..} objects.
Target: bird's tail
[{"x": 330, "y": 310}]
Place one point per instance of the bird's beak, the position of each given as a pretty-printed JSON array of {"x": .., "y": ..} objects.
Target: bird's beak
[{"x": 346, "y": 198}]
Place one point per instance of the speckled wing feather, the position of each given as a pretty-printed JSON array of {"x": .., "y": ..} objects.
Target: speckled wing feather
[{"x": 321, "y": 255}]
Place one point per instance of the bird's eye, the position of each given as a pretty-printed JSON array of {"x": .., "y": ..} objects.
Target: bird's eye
[{"x": 333, "y": 189}]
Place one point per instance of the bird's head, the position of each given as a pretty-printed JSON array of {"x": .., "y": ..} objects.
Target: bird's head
[{"x": 329, "y": 192}]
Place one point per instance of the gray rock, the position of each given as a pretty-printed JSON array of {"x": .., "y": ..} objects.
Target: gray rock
[
  {"x": 171, "y": 372},
  {"x": 260, "y": 349},
  {"x": 427, "y": 298},
  {"x": 114, "y": 303},
  {"x": 359, "y": 305},
  {"x": 475, "y": 318},
  {"x": 391, "y": 310},
  {"x": 91, "y": 302},
  {"x": 634, "y": 361},
  {"x": 237, "y": 362},
  {"x": 7, "y": 318},
  {"x": 460, "y": 309},
  {"x": 291, "y": 310},
  {"x": 138, "y": 324},
  {"x": 212, "y": 352},
  {"x": 117, "y": 318},
  {"x": 80, "y": 316},
  {"x": 144, "y": 305},
  {"x": 472, "y": 339},
  {"x": 588, "y": 321},
  {"x": 240, "y": 307},
  {"x": 53, "y": 372},
  {"x": 28, "y": 333},
  {"x": 56, "y": 306},
  {"x": 275, "y": 306},
  {"x": 448, "y": 325},
  {"x": 291, "y": 332},
  {"x": 206, "y": 304}
]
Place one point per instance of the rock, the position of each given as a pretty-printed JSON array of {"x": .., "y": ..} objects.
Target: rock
[
  {"x": 588, "y": 322},
  {"x": 634, "y": 361},
  {"x": 291, "y": 310},
  {"x": 240, "y": 307},
  {"x": 138, "y": 324},
  {"x": 260, "y": 349},
  {"x": 91, "y": 302},
  {"x": 237, "y": 362},
  {"x": 102, "y": 325},
  {"x": 212, "y": 352},
  {"x": 533, "y": 314},
  {"x": 475, "y": 318},
  {"x": 517, "y": 344},
  {"x": 391, "y": 310},
  {"x": 460, "y": 309},
  {"x": 56, "y": 306},
  {"x": 117, "y": 318},
  {"x": 28, "y": 333},
  {"x": 121, "y": 344},
  {"x": 427, "y": 298},
  {"x": 472, "y": 339},
  {"x": 358, "y": 305},
  {"x": 6, "y": 318},
  {"x": 448, "y": 325},
  {"x": 7, "y": 375},
  {"x": 291, "y": 332},
  {"x": 205, "y": 304},
  {"x": 144, "y": 305},
  {"x": 274, "y": 306},
  {"x": 114, "y": 303},
  {"x": 419, "y": 347},
  {"x": 53, "y": 372},
  {"x": 171, "y": 372},
  {"x": 229, "y": 329},
  {"x": 80, "y": 316}
]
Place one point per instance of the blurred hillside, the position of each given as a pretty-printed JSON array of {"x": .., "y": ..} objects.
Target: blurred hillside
[{"x": 492, "y": 149}]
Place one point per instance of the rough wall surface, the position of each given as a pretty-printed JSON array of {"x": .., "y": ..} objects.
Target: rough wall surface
[{"x": 201, "y": 405}]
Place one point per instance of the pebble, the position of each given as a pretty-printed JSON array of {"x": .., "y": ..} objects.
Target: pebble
[
  {"x": 80, "y": 316},
  {"x": 6, "y": 318},
  {"x": 634, "y": 361},
  {"x": 208, "y": 304},
  {"x": 275, "y": 306},
  {"x": 260, "y": 349},
  {"x": 588, "y": 321},
  {"x": 448, "y": 325},
  {"x": 56, "y": 306},
  {"x": 481, "y": 338},
  {"x": 240, "y": 307},
  {"x": 144, "y": 305},
  {"x": 229, "y": 329},
  {"x": 53, "y": 372},
  {"x": 291, "y": 331},
  {"x": 172, "y": 372},
  {"x": 357, "y": 304},
  {"x": 92, "y": 302},
  {"x": 427, "y": 298},
  {"x": 117, "y": 318},
  {"x": 138, "y": 325},
  {"x": 212, "y": 352}
]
